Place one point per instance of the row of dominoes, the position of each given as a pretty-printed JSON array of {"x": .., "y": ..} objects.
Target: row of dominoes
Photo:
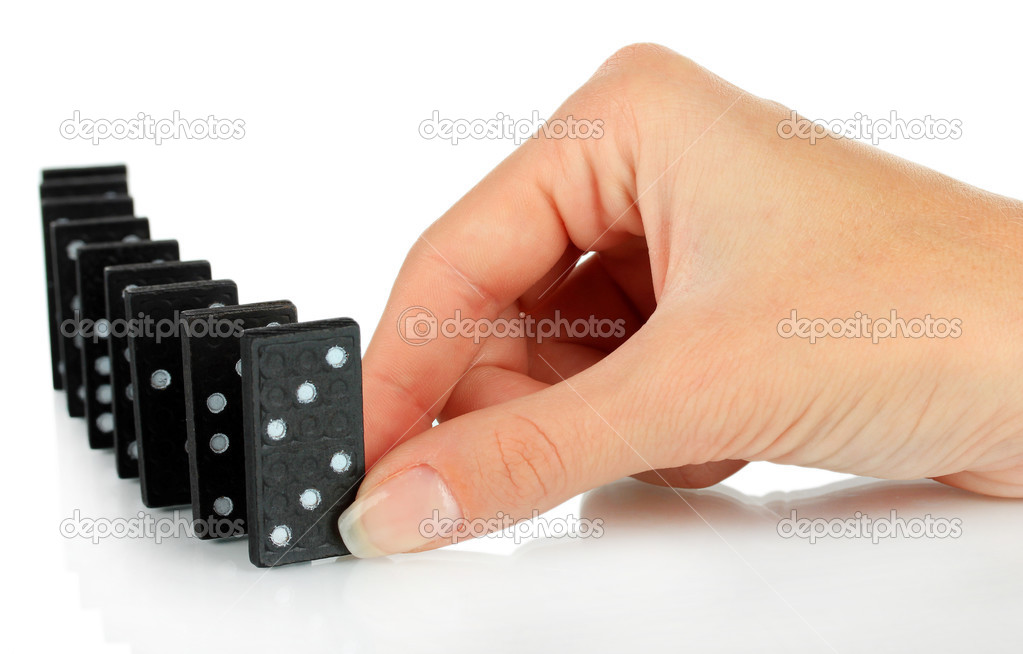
[{"x": 253, "y": 417}]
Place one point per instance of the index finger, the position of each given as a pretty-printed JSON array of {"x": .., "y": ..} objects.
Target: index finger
[{"x": 502, "y": 238}]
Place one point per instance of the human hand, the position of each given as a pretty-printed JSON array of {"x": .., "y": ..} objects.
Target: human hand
[{"x": 709, "y": 229}]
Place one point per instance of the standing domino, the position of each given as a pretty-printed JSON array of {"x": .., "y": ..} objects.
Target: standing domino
[
  {"x": 302, "y": 395},
  {"x": 211, "y": 349},
  {"x": 118, "y": 280},
  {"x": 157, "y": 375}
]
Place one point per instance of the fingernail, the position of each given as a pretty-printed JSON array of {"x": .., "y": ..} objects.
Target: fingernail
[{"x": 389, "y": 519}]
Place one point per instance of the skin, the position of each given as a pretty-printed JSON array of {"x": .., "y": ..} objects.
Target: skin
[{"x": 708, "y": 229}]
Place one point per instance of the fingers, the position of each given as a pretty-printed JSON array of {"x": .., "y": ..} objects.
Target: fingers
[
  {"x": 507, "y": 239},
  {"x": 490, "y": 248},
  {"x": 507, "y": 460}
]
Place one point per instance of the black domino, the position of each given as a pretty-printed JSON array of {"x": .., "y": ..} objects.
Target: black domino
[
  {"x": 211, "y": 349},
  {"x": 67, "y": 209},
  {"x": 92, "y": 185},
  {"x": 67, "y": 238},
  {"x": 117, "y": 279},
  {"x": 88, "y": 367},
  {"x": 157, "y": 377},
  {"x": 302, "y": 403}
]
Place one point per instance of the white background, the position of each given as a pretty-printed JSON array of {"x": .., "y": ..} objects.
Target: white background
[{"x": 319, "y": 203}]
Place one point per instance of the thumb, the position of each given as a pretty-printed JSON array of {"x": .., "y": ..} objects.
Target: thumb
[{"x": 480, "y": 471}]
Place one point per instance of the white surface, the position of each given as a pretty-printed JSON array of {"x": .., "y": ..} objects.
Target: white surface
[{"x": 320, "y": 201}]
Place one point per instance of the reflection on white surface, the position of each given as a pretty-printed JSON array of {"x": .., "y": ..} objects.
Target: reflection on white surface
[{"x": 692, "y": 571}]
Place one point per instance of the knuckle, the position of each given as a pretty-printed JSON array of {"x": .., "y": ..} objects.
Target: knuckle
[
  {"x": 526, "y": 465},
  {"x": 636, "y": 57},
  {"x": 644, "y": 85}
]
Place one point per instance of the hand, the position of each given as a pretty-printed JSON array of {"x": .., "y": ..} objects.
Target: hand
[{"x": 709, "y": 229}]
